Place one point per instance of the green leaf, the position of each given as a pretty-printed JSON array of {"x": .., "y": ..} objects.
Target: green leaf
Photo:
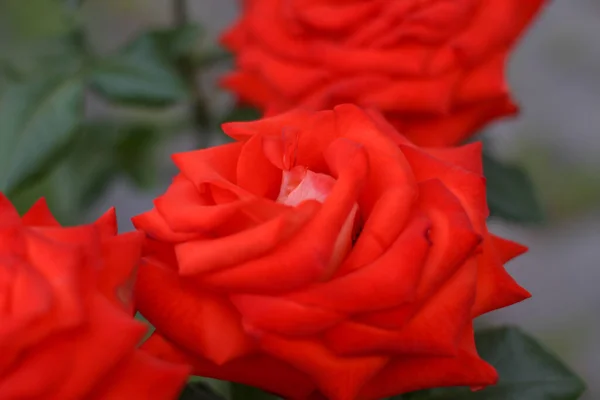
[
  {"x": 528, "y": 371},
  {"x": 510, "y": 192},
  {"x": 77, "y": 182},
  {"x": 100, "y": 153},
  {"x": 37, "y": 18},
  {"x": 69, "y": 191},
  {"x": 135, "y": 153},
  {"x": 198, "y": 390},
  {"x": 37, "y": 118},
  {"x": 245, "y": 392},
  {"x": 8, "y": 73},
  {"x": 33, "y": 58},
  {"x": 105, "y": 150},
  {"x": 177, "y": 42},
  {"x": 142, "y": 74}
]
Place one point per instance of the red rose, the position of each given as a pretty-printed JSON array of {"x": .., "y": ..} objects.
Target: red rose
[
  {"x": 66, "y": 329},
  {"x": 323, "y": 254},
  {"x": 434, "y": 68}
]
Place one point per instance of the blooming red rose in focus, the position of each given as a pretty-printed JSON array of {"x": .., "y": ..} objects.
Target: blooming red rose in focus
[
  {"x": 324, "y": 255},
  {"x": 66, "y": 325},
  {"x": 434, "y": 68}
]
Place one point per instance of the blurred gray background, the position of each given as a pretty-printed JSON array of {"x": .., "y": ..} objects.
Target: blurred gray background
[{"x": 555, "y": 75}]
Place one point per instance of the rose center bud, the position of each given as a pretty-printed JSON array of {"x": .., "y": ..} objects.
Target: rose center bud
[{"x": 300, "y": 184}]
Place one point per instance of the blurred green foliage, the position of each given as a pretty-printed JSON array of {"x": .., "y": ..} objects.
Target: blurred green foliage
[
  {"x": 99, "y": 152},
  {"x": 37, "y": 118},
  {"x": 49, "y": 145},
  {"x": 38, "y": 18},
  {"x": 144, "y": 72}
]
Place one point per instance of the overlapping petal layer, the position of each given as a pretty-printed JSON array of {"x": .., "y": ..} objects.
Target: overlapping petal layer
[
  {"x": 435, "y": 68},
  {"x": 66, "y": 312},
  {"x": 323, "y": 254}
]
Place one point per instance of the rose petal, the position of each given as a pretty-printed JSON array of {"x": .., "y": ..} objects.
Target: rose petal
[
  {"x": 421, "y": 96},
  {"x": 467, "y": 156},
  {"x": 96, "y": 349},
  {"x": 339, "y": 378},
  {"x": 107, "y": 223},
  {"x": 211, "y": 164},
  {"x": 428, "y": 372},
  {"x": 184, "y": 210},
  {"x": 283, "y": 316},
  {"x": 482, "y": 37},
  {"x": 203, "y": 322},
  {"x": 456, "y": 127},
  {"x": 70, "y": 364},
  {"x": 285, "y": 78},
  {"x": 254, "y": 171},
  {"x": 268, "y": 373},
  {"x": 8, "y": 213},
  {"x": 335, "y": 16},
  {"x": 272, "y": 126},
  {"x": 27, "y": 304},
  {"x": 495, "y": 287},
  {"x": 141, "y": 376},
  {"x": 434, "y": 330},
  {"x": 39, "y": 215},
  {"x": 306, "y": 256},
  {"x": 468, "y": 187},
  {"x": 249, "y": 87},
  {"x": 121, "y": 256},
  {"x": 385, "y": 222},
  {"x": 386, "y": 282},
  {"x": 485, "y": 82},
  {"x": 59, "y": 265},
  {"x": 155, "y": 226},
  {"x": 452, "y": 234},
  {"x": 208, "y": 255},
  {"x": 507, "y": 249}
]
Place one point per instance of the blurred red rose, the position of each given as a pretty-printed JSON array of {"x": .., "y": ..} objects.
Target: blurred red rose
[
  {"x": 434, "y": 68},
  {"x": 324, "y": 255},
  {"x": 66, "y": 325}
]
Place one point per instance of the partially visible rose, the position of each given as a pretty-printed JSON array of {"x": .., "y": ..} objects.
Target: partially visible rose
[
  {"x": 66, "y": 326},
  {"x": 435, "y": 68},
  {"x": 324, "y": 256}
]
